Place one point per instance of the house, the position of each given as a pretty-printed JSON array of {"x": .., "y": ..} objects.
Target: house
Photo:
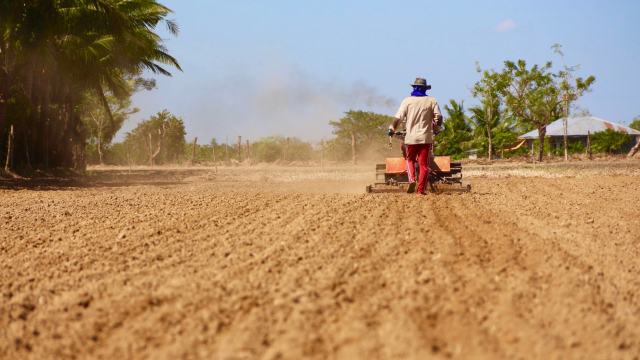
[
  {"x": 577, "y": 130},
  {"x": 472, "y": 154}
]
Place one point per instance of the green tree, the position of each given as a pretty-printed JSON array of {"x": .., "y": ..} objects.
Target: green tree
[
  {"x": 580, "y": 112},
  {"x": 53, "y": 53},
  {"x": 609, "y": 140},
  {"x": 174, "y": 136},
  {"x": 335, "y": 149},
  {"x": 635, "y": 123},
  {"x": 505, "y": 132},
  {"x": 570, "y": 91},
  {"x": 484, "y": 120},
  {"x": 269, "y": 149},
  {"x": 486, "y": 115},
  {"x": 272, "y": 148},
  {"x": 368, "y": 127},
  {"x": 102, "y": 127},
  {"x": 535, "y": 96},
  {"x": 159, "y": 139}
]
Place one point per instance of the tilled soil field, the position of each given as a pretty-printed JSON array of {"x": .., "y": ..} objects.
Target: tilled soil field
[{"x": 189, "y": 264}]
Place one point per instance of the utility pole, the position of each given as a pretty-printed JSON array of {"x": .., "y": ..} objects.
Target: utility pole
[
  {"x": 490, "y": 96},
  {"x": 489, "y": 127}
]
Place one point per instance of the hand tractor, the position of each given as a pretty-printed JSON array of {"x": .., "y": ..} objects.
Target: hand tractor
[{"x": 445, "y": 176}]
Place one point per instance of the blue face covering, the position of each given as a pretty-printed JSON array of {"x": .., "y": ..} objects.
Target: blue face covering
[{"x": 419, "y": 91}]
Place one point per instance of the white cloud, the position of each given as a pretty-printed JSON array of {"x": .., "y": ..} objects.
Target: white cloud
[{"x": 505, "y": 26}]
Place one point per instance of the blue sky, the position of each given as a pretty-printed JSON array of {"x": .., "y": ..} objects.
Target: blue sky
[{"x": 260, "y": 68}]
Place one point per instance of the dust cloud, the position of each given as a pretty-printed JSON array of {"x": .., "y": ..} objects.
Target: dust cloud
[{"x": 291, "y": 103}]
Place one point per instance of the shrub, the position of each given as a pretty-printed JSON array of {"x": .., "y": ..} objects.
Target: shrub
[{"x": 608, "y": 140}]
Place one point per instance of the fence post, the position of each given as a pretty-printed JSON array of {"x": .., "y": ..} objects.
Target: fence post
[
  {"x": 193, "y": 151},
  {"x": 239, "y": 149},
  {"x": 9, "y": 164},
  {"x": 248, "y": 154}
]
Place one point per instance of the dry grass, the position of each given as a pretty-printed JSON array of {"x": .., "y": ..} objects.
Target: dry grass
[{"x": 554, "y": 170}]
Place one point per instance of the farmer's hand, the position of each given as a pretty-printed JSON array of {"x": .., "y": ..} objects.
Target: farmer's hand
[
  {"x": 390, "y": 132},
  {"x": 436, "y": 129}
]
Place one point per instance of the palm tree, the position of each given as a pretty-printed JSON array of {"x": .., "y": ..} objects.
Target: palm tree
[
  {"x": 485, "y": 118},
  {"x": 57, "y": 51},
  {"x": 456, "y": 132}
]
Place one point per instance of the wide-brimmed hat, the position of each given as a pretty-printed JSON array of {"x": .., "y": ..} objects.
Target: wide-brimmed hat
[{"x": 421, "y": 82}]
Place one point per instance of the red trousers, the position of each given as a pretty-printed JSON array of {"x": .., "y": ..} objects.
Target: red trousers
[{"x": 422, "y": 152}]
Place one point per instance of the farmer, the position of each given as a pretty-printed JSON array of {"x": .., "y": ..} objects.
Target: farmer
[{"x": 423, "y": 118}]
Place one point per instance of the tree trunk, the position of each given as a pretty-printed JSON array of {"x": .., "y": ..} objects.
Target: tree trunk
[
  {"x": 634, "y": 150},
  {"x": 100, "y": 154},
  {"x": 193, "y": 151},
  {"x": 8, "y": 164},
  {"x": 566, "y": 145},
  {"x": 542, "y": 131},
  {"x": 490, "y": 142},
  {"x": 100, "y": 125},
  {"x": 589, "y": 145},
  {"x": 353, "y": 148},
  {"x": 490, "y": 152},
  {"x": 150, "y": 151},
  {"x": 239, "y": 148},
  {"x": 160, "y": 136}
]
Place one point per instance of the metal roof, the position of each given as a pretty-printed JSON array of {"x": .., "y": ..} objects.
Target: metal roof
[{"x": 578, "y": 126}]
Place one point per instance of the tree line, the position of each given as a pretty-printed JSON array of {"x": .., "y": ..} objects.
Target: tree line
[{"x": 161, "y": 140}]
